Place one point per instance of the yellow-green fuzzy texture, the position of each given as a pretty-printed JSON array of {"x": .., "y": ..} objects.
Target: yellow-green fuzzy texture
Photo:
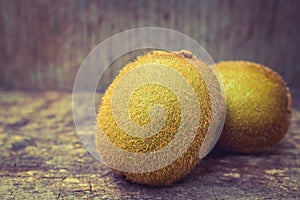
[
  {"x": 258, "y": 107},
  {"x": 141, "y": 100}
]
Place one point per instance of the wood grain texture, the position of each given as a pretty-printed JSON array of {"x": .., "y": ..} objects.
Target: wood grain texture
[
  {"x": 42, "y": 157},
  {"x": 43, "y": 43}
]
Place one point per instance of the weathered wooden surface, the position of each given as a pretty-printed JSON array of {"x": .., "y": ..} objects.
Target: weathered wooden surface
[
  {"x": 43, "y": 42},
  {"x": 41, "y": 157}
]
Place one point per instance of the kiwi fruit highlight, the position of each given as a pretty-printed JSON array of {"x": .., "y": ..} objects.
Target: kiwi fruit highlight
[
  {"x": 141, "y": 101},
  {"x": 258, "y": 104}
]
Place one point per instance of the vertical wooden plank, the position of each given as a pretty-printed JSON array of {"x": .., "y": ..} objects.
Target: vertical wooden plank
[{"x": 43, "y": 43}]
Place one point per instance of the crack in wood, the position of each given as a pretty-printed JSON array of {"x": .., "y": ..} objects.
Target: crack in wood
[{"x": 60, "y": 188}]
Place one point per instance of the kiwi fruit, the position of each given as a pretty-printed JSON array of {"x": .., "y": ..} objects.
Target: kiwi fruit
[
  {"x": 258, "y": 107},
  {"x": 141, "y": 101}
]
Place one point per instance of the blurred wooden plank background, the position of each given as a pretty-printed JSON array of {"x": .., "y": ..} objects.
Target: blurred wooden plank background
[{"x": 43, "y": 42}]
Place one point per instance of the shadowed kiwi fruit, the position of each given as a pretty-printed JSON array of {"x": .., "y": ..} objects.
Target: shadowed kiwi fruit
[
  {"x": 258, "y": 105},
  {"x": 141, "y": 101}
]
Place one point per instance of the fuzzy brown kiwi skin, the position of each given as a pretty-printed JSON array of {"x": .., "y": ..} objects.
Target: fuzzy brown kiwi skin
[
  {"x": 183, "y": 165},
  {"x": 239, "y": 134}
]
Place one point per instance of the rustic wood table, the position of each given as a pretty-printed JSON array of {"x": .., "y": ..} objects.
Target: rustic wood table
[{"x": 42, "y": 157}]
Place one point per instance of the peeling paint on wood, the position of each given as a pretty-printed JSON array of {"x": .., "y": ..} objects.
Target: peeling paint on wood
[{"x": 41, "y": 157}]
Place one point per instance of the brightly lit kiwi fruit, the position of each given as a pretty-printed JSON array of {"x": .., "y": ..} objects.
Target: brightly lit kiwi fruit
[{"x": 141, "y": 101}]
